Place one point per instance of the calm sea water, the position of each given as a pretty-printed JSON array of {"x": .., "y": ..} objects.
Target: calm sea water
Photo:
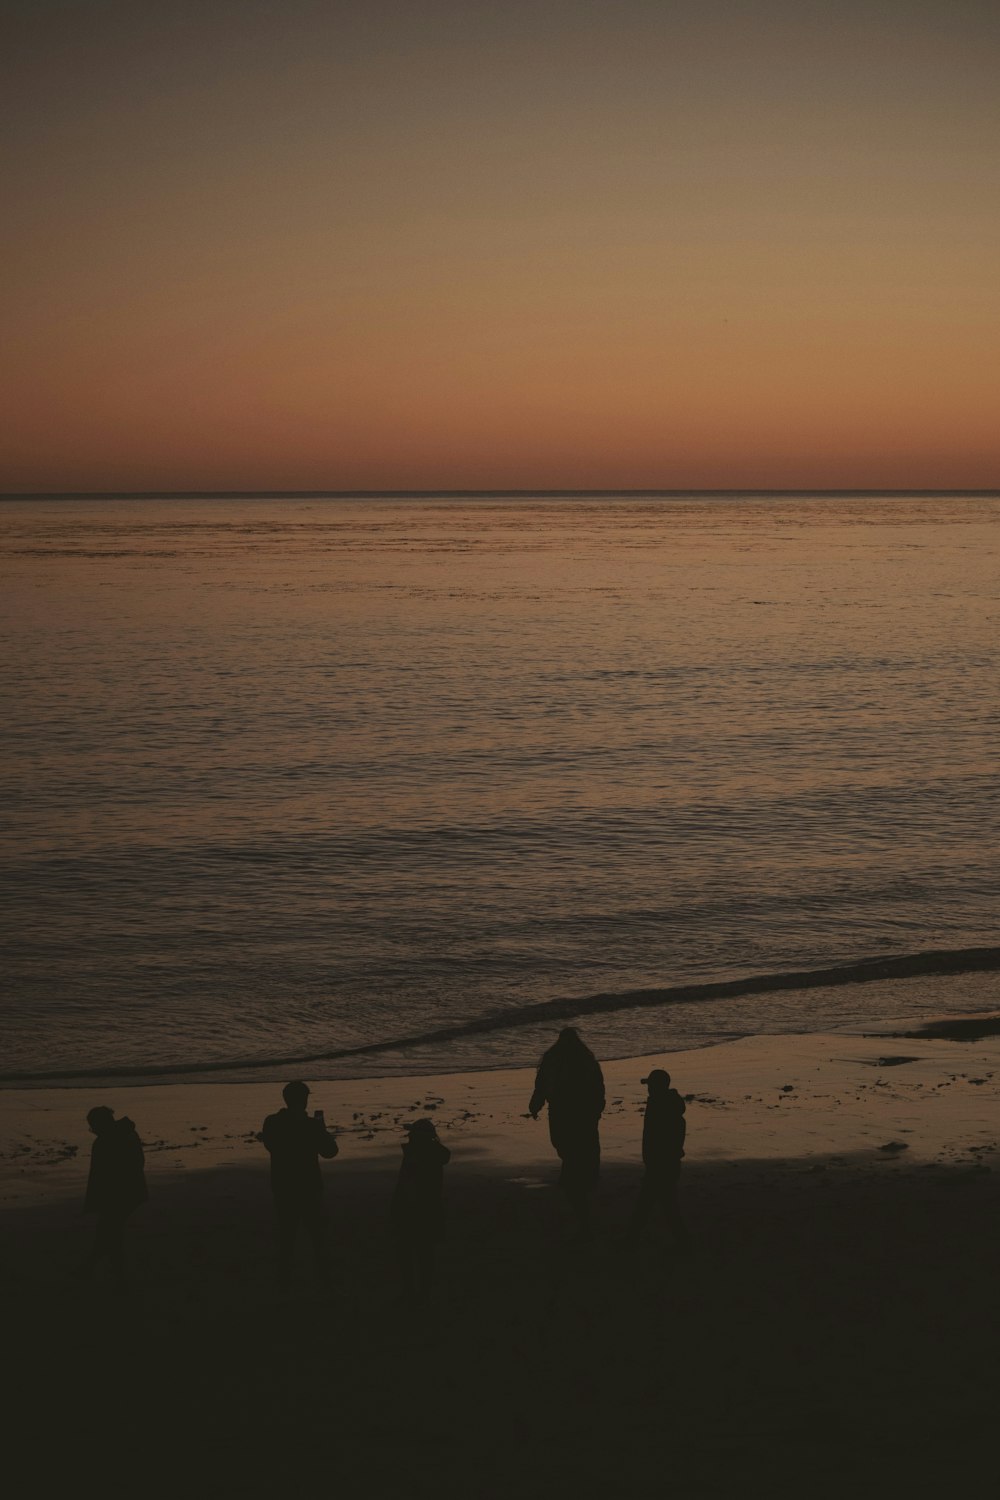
[{"x": 284, "y": 778}]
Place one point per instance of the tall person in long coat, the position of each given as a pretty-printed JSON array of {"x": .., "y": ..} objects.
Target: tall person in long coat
[{"x": 570, "y": 1082}]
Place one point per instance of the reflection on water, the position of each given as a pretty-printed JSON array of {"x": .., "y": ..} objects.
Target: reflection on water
[{"x": 289, "y": 776}]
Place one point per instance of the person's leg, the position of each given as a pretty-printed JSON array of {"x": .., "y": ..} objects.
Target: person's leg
[
  {"x": 425, "y": 1265},
  {"x": 563, "y": 1143},
  {"x": 419, "y": 1268},
  {"x": 109, "y": 1244},
  {"x": 588, "y": 1168},
  {"x": 671, "y": 1209},
  {"x": 286, "y": 1218},
  {"x": 88, "y": 1265},
  {"x": 314, "y": 1223},
  {"x": 642, "y": 1209},
  {"x": 579, "y": 1149},
  {"x": 591, "y": 1145},
  {"x": 581, "y": 1207},
  {"x": 576, "y": 1181},
  {"x": 407, "y": 1259}
]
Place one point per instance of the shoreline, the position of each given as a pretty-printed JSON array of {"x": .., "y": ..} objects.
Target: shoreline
[
  {"x": 732, "y": 1088},
  {"x": 908, "y": 986},
  {"x": 833, "y": 1327}
]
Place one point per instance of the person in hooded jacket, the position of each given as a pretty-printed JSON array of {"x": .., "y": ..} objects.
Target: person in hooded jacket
[
  {"x": 569, "y": 1080},
  {"x": 663, "y": 1133},
  {"x": 115, "y": 1188},
  {"x": 417, "y": 1213},
  {"x": 295, "y": 1141}
]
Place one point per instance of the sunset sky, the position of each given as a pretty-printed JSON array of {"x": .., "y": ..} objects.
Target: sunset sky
[{"x": 556, "y": 243}]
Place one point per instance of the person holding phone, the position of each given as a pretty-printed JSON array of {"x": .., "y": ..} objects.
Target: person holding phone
[{"x": 296, "y": 1140}]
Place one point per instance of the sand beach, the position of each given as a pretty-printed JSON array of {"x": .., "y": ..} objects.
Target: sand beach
[
  {"x": 832, "y": 1330},
  {"x": 500, "y": 532}
]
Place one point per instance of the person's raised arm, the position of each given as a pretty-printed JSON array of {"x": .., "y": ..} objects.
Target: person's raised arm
[
  {"x": 326, "y": 1143},
  {"x": 540, "y": 1095},
  {"x": 599, "y": 1096},
  {"x": 269, "y": 1133}
]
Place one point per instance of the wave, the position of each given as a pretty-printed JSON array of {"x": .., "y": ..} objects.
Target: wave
[{"x": 860, "y": 971}]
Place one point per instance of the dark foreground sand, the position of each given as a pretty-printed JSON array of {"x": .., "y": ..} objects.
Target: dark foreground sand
[{"x": 834, "y": 1331}]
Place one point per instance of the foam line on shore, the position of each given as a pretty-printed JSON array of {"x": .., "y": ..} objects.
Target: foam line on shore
[{"x": 861, "y": 971}]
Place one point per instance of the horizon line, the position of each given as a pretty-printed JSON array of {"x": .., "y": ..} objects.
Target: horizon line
[{"x": 475, "y": 494}]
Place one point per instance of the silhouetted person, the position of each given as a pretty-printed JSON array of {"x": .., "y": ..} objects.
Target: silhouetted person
[
  {"x": 115, "y": 1188},
  {"x": 663, "y": 1132},
  {"x": 418, "y": 1206},
  {"x": 296, "y": 1141},
  {"x": 570, "y": 1081}
]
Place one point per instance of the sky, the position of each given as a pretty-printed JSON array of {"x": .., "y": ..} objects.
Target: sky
[{"x": 419, "y": 244}]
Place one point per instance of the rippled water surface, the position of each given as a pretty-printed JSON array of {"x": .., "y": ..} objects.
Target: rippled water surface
[{"x": 282, "y": 778}]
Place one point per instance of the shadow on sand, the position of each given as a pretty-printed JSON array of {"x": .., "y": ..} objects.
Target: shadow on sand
[{"x": 832, "y": 1330}]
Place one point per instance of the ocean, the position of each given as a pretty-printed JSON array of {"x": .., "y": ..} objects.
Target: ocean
[{"x": 337, "y": 786}]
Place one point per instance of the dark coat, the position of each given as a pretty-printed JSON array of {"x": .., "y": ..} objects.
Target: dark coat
[
  {"x": 296, "y": 1141},
  {"x": 418, "y": 1199},
  {"x": 570, "y": 1081},
  {"x": 663, "y": 1131},
  {"x": 117, "y": 1180}
]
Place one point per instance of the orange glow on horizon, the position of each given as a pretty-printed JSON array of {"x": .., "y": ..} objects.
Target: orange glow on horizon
[{"x": 505, "y": 252}]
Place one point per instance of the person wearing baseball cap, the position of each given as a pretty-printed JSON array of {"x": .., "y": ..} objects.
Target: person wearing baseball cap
[{"x": 663, "y": 1132}]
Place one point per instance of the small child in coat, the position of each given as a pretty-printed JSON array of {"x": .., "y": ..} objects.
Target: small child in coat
[
  {"x": 418, "y": 1206},
  {"x": 663, "y": 1132}
]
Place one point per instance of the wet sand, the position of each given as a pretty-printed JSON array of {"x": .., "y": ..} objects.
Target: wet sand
[{"x": 833, "y": 1330}]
